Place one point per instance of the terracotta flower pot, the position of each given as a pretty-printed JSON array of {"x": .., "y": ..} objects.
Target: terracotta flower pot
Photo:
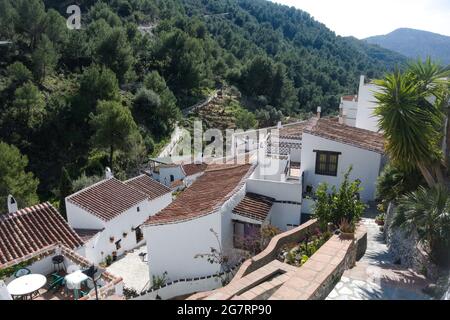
[{"x": 347, "y": 235}]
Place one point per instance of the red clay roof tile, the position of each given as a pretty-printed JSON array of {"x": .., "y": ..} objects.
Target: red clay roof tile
[
  {"x": 350, "y": 98},
  {"x": 31, "y": 229},
  {"x": 254, "y": 206},
  {"x": 193, "y": 168},
  {"x": 152, "y": 188},
  {"x": 330, "y": 128},
  {"x": 87, "y": 234},
  {"x": 205, "y": 195},
  {"x": 108, "y": 198}
]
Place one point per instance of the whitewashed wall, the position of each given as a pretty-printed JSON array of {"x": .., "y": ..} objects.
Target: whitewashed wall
[
  {"x": 182, "y": 288},
  {"x": 281, "y": 191},
  {"x": 79, "y": 218},
  {"x": 271, "y": 169},
  {"x": 366, "y": 104},
  {"x": 366, "y": 164},
  {"x": 165, "y": 172},
  {"x": 227, "y": 229},
  {"x": 178, "y": 288},
  {"x": 43, "y": 266},
  {"x": 307, "y": 206},
  {"x": 283, "y": 214},
  {"x": 349, "y": 110},
  {"x": 100, "y": 246},
  {"x": 172, "y": 247},
  {"x": 296, "y": 155},
  {"x": 4, "y": 294}
]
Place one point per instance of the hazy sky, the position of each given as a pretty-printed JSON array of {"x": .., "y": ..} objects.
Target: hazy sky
[{"x": 364, "y": 18}]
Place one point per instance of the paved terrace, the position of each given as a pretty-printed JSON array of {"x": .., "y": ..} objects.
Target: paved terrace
[
  {"x": 376, "y": 277},
  {"x": 132, "y": 269}
]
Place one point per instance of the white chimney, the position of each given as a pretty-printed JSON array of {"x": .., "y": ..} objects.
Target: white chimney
[
  {"x": 108, "y": 173},
  {"x": 319, "y": 111},
  {"x": 279, "y": 126},
  {"x": 343, "y": 117},
  {"x": 199, "y": 158},
  {"x": 12, "y": 204}
]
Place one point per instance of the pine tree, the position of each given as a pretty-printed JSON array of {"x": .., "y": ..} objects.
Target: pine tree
[{"x": 65, "y": 189}]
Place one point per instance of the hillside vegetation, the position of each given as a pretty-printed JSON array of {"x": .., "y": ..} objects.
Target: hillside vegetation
[{"x": 75, "y": 101}]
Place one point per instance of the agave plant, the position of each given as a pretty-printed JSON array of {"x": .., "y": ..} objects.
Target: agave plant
[{"x": 428, "y": 212}]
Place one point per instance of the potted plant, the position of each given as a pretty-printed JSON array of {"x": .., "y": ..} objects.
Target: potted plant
[
  {"x": 111, "y": 239},
  {"x": 379, "y": 220},
  {"x": 347, "y": 229},
  {"x": 114, "y": 255},
  {"x": 108, "y": 260},
  {"x": 124, "y": 234}
]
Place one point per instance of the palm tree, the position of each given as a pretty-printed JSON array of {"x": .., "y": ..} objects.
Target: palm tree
[
  {"x": 434, "y": 80},
  {"x": 428, "y": 212},
  {"x": 409, "y": 122}
]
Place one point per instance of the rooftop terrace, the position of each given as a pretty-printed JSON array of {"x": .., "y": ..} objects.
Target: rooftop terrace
[{"x": 41, "y": 262}]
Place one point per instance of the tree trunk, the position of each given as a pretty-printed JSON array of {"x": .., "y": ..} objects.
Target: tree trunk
[
  {"x": 111, "y": 154},
  {"x": 427, "y": 175},
  {"x": 439, "y": 174}
]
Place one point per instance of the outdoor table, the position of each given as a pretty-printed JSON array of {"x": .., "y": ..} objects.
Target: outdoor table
[
  {"x": 74, "y": 281},
  {"x": 26, "y": 285}
]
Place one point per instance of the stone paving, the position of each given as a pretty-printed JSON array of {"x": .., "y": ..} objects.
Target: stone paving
[
  {"x": 376, "y": 277},
  {"x": 132, "y": 269}
]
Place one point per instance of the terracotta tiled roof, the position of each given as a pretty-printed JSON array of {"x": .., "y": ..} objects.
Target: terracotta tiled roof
[
  {"x": 254, "y": 206},
  {"x": 350, "y": 98},
  {"x": 176, "y": 183},
  {"x": 152, "y": 188},
  {"x": 295, "y": 130},
  {"x": 108, "y": 198},
  {"x": 192, "y": 168},
  {"x": 205, "y": 195},
  {"x": 87, "y": 234},
  {"x": 330, "y": 128},
  {"x": 31, "y": 229}
]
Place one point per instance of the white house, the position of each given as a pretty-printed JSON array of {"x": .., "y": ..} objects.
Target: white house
[
  {"x": 358, "y": 110},
  {"x": 108, "y": 215},
  {"x": 186, "y": 227},
  {"x": 231, "y": 201},
  {"x": 176, "y": 175},
  {"x": 348, "y": 109},
  {"x": 32, "y": 237},
  {"x": 322, "y": 150},
  {"x": 329, "y": 148}
]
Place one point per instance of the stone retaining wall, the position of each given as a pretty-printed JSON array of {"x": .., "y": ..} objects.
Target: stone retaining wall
[
  {"x": 406, "y": 249},
  {"x": 270, "y": 253},
  {"x": 264, "y": 277},
  {"x": 317, "y": 277}
]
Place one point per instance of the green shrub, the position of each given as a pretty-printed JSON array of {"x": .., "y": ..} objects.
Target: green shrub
[
  {"x": 336, "y": 205},
  {"x": 427, "y": 212}
]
